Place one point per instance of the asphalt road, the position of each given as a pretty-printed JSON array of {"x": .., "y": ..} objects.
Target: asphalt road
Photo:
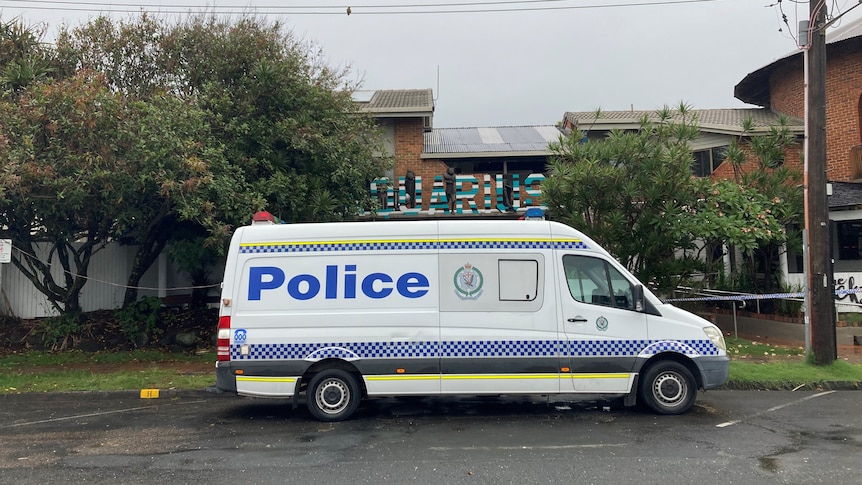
[{"x": 195, "y": 437}]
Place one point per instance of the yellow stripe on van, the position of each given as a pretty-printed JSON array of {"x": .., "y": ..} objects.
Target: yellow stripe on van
[
  {"x": 600, "y": 376},
  {"x": 511, "y": 239},
  {"x": 391, "y": 241},
  {"x": 454, "y": 377},
  {"x": 535, "y": 376},
  {"x": 264, "y": 379},
  {"x": 403, "y": 378},
  {"x": 330, "y": 243}
]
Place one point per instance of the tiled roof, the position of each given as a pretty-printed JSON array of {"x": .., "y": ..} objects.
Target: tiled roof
[
  {"x": 396, "y": 101},
  {"x": 845, "y": 194},
  {"x": 508, "y": 140},
  {"x": 708, "y": 120}
]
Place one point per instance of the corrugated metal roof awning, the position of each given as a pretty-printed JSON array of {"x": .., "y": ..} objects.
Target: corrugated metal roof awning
[{"x": 490, "y": 141}]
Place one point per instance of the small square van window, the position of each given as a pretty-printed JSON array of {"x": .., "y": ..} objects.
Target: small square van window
[
  {"x": 519, "y": 279},
  {"x": 594, "y": 281}
]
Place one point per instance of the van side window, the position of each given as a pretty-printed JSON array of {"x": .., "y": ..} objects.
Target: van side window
[
  {"x": 519, "y": 279},
  {"x": 592, "y": 280}
]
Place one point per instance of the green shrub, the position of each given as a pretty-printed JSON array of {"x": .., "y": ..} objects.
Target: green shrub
[
  {"x": 139, "y": 321},
  {"x": 56, "y": 331}
]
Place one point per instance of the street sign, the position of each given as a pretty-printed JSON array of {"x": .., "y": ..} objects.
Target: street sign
[{"x": 5, "y": 250}]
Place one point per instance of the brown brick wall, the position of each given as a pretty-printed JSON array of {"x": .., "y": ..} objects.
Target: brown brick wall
[
  {"x": 785, "y": 90},
  {"x": 843, "y": 91},
  {"x": 409, "y": 140},
  {"x": 843, "y": 88},
  {"x": 793, "y": 159}
]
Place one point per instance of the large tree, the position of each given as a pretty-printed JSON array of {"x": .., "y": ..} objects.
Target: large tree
[
  {"x": 260, "y": 112},
  {"x": 634, "y": 193},
  {"x": 286, "y": 118},
  {"x": 758, "y": 159},
  {"x": 65, "y": 145}
]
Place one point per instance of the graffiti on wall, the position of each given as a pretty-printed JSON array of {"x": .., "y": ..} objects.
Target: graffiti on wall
[
  {"x": 847, "y": 281},
  {"x": 495, "y": 193}
]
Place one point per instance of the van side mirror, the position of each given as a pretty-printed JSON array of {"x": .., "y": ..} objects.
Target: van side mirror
[{"x": 638, "y": 296}]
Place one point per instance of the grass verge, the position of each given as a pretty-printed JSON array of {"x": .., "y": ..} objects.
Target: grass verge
[
  {"x": 81, "y": 380},
  {"x": 104, "y": 371},
  {"x": 791, "y": 375}
]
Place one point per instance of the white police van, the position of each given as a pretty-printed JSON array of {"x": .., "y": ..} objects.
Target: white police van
[{"x": 343, "y": 311}]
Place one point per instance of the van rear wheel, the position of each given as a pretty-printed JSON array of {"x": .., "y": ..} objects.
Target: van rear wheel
[
  {"x": 668, "y": 387},
  {"x": 332, "y": 395}
]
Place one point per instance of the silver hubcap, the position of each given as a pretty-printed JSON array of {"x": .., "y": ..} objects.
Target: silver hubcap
[
  {"x": 669, "y": 389},
  {"x": 332, "y": 396}
]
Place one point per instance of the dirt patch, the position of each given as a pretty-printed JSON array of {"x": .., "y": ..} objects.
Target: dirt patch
[
  {"x": 173, "y": 330},
  {"x": 179, "y": 367}
]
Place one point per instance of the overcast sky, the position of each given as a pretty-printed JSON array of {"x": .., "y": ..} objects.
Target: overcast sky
[{"x": 527, "y": 67}]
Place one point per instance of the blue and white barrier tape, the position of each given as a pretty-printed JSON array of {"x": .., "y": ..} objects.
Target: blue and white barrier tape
[{"x": 768, "y": 296}]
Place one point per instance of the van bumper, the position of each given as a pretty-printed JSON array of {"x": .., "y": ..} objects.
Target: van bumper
[
  {"x": 714, "y": 371},
  {"x": 225, "y": 380}
]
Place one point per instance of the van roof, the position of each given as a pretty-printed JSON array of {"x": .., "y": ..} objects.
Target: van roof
[{"x": 410, "y": 230}]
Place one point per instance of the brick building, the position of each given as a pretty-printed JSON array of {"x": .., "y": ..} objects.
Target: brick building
[{"x": 779, "y": 86}]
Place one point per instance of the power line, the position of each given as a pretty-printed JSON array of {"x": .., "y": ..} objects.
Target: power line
[
  {"x": 60, "y": 5},
  {"x": 339, "y": 7}
]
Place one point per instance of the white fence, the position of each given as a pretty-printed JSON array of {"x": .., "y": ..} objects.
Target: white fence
[{"x": 107, "y": 277}]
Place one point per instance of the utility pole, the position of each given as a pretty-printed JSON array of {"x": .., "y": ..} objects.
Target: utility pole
[{"x": 820, "y": 280}]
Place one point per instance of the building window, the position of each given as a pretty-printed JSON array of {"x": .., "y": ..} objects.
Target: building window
[
  {"x": 849, "y": 235},
  {"x": 707, "y": 161}
]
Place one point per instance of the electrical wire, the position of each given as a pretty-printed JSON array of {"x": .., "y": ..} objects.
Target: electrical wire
[
  {"x": 110, "y": 283},
  {"x": 340, "y": 10}
]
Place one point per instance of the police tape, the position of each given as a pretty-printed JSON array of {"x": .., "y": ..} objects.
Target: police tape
[{"x": 767, "y": 296}]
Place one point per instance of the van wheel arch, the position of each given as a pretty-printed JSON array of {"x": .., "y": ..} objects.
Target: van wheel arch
[{"x": 678, "y": 358}]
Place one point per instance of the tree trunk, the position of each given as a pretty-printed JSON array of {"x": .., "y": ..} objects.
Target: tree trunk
[{"x": 147, "y": 254}]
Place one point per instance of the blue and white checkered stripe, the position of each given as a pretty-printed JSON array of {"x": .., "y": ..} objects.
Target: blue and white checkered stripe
[
  {"x": 286, "y": 247},
  {"x": 473, "y": 349},
  {"x": 499, "y": 348}
]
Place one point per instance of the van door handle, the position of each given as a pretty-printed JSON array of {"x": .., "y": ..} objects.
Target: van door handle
[{"x": 578, "y": 319}]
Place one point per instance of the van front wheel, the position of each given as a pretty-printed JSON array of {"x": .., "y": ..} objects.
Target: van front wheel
[
  {"x": 332, "y": 395},
  {"x": 668, "y": 388}
]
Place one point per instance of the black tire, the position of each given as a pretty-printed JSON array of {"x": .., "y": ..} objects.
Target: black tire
[
  {"x": 332, "y": 395},
  {"x": 668, "y": 387}
]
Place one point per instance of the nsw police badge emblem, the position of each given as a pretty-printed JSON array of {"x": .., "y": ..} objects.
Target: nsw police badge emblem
[
  {"x": 468, "y": 282},
  {"x": 602, "y": 323}
]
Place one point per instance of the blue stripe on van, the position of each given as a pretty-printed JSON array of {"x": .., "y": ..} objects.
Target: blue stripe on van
[
  {"x": 344, "y": 246},
  {"x": 474, "y": 348}
]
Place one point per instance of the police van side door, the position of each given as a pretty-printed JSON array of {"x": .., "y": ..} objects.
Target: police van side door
[
  {"x": 498, "y": 327},
  {"x": 602, "y": 328}
]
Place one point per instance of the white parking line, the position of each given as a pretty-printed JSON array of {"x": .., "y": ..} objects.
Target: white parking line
[
  {"x": 776, "y": 408},
  {"x": 510, "y": 448},
  {"x": 90, "y": 415}
]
